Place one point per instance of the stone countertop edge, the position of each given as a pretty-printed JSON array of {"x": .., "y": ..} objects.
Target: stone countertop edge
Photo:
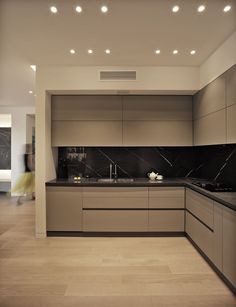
[{"x": 227, "y": 199}]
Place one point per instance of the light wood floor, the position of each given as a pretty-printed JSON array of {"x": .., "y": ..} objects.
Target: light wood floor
[{"x": 100, "y": 272}]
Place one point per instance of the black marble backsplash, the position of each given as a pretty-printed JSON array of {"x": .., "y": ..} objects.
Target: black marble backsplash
[{"x": 217, "y": 162}]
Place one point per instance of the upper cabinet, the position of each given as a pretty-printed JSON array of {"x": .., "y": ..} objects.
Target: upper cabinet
[
  {"x": 86, "y": 107},
  {"x": 210, "y": 99},
  {"x": 122, "y": 120},
  {"x": 231, "y": 86},
  {"x": 157, "y": 108},
  {"x": 214, "y": 111}
]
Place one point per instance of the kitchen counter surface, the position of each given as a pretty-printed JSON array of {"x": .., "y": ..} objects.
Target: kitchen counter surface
[{"x": 227, "y": 199}]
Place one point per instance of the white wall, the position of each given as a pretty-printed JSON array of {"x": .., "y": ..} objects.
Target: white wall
[{"x": 18, "y": 137}]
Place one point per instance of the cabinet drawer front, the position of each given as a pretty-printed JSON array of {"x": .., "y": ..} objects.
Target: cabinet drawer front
[
  {"x": 115, "y": 220},
  {"x": 64, "y": 211},
  {"x": 200, "y": 206},
  {"x": 200, "y": 234},
  {"x": 119, "y": 202},
  {"x": 167, "y": 192},
  {"x": 166, "y": 220},
  {"x": 117, "y": 192},
  {"x": 166, "y": 202}
]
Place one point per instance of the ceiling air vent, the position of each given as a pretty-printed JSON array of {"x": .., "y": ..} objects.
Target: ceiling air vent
[{"x": 118, "y": 75}]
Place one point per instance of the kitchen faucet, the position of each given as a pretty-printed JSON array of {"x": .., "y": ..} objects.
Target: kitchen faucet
[{"x": 115, "y": 171}]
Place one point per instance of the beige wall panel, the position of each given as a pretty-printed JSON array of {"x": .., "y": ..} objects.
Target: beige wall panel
[
  {"x": 64, "y": 209},
  {"x": 166, "y": 202},
  {"x": 200, "y": 234},
  {"x": 231, "y": 124},
  {"x": 229, "y": 244},
  {"x": 105, "y": 220},
  {"x": 119, "y": 202},
  {"x": 115, "y": 192},
  {"x": 200, "y": 206},
  {"x": 154, "y": 133},
  {"x": 210, "y": 129},
  {"x": 86, "y": 133},
  {"x": 210, "y": 99},
  {"x": 166, "y": 220},
  {"x": 86, "y": 107},
  {"x": 167, "y": 192},
  {"x": 157, "y": 108},
  {"x": 231, "y": 86},
  {"x": 218, "y": 236}
]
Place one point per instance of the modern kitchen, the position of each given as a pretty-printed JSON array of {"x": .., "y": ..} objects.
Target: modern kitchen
[{"x": 135, "y": 177}]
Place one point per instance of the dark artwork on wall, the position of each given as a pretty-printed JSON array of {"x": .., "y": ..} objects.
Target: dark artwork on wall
[
  {"x": 216, "y": 162},
  {"x": 5, "y": 148}
]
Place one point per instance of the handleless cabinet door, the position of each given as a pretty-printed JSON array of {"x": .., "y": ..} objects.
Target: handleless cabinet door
[
  {"x": 154, "y": 133},
  {"x": 231, "y": 86},
  {"x": 64, "y": 209},
  {"x": 229, "y": 244},
  {"x": 231, "y": 124},
  {"x": 166, "y": 220},
  {"x": 86, "y": 133}
]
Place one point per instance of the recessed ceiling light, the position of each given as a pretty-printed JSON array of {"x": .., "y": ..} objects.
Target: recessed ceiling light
[
  {"x": 201, "y": 8},
  {"x": 104, "y": 9},
  {"x": 30, "y": 92},
  {"x": 72, "y": 51},
  {"x": 193, "y": 52},
  {"x": 175, "y": 51},
  {"x": 90, "y": 51},
  {"x": 108, "y": 51},
  {"x": 33, "y": 67},
  {"x": 157, "y": 51},
  {"x": 227, "y": 8},
  {"x": 175, "y": 9},
  {"x": 78, "y": 9},
  {"x": 53, "y": 9}
]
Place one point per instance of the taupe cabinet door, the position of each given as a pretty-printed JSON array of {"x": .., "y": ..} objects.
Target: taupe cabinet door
[
  {"x": 229, "y": 245},
  {"x": 86, "y": 133},
  {"x": 64, "y": 209}
]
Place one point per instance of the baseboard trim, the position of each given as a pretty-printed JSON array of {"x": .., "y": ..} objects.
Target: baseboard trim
[{"x": 113, "y": 234}]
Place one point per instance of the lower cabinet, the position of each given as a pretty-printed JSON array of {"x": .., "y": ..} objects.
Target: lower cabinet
[
  {"x": 200, "y": 234},
  {"x": 115, "y": 220},
  {"x": 64, "y": 209},
  {"x": 166, "y": 220},
  {"x": 229, "y": 245}
]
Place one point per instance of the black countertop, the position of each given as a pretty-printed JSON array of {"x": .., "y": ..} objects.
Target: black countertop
[{"x": 227, "y": 199}]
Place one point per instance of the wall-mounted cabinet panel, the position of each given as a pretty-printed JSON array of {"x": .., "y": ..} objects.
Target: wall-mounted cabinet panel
[
  {"x": 210, "y": 129},
  {"x": 231, "y": 86},
  {"x": 157, "y": 108},
  {"x": 229, "y": 245},
  {"x": 210, "y": 99},
  {"x": 231, "y": 124},
  {"x": 86, "y": 133},
  {"x": 115, "y": 220},
  {"x": 153, "y": 133},
  {"x": 64, "y": 209},
  {"x": 86, "y": 107},
  {"x": 166, "y": 220}
]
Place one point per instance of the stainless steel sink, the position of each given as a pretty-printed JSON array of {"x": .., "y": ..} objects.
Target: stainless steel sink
[
  {"x": 125, "y": 180},
  {"x": 106, "y": 180},
  {"x": 110, "y": 180}
]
